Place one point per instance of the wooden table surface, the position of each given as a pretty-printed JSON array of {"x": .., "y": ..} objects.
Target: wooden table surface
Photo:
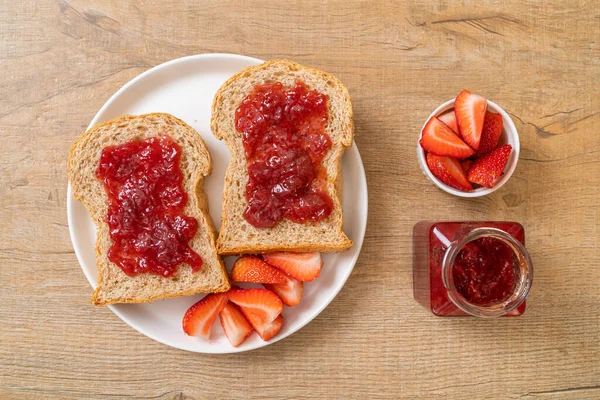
[{"x": 61, "y": 60}]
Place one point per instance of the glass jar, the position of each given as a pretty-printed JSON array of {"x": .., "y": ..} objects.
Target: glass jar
[{"x": 471, "y": 268}]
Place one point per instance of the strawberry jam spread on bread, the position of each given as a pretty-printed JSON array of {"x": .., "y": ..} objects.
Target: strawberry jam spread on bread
[
  {"x": 284, "y": 141},
  {"x": 144, "y": 184}
]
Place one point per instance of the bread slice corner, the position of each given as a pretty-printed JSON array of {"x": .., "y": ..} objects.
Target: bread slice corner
[
  {"x": 236, "y": 235},
  {"x": 114, "y": 286}
]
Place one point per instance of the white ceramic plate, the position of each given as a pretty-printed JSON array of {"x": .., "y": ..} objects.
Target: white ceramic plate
[{"x": 185, "y": 88}]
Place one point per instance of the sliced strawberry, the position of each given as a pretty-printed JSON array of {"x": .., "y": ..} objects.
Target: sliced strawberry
[
  {"x": 470, "y": 113},
  {"x": 236, "y": 326},
  {"x": 487, "y": 169},
  {"x": 290, "y": 292},
  {"x": 265, "y": 330},
  {"x": 253, "y": 269},
  {"x": 438, "y": 139},
  {"x": 261, "y": 303},
  {"x": 466, "y": 165},
  {"x": 449, "y": 171},
  {"x": 449, "y": 118},
  {"x": 492, "y": 129},
  {"x": 302, "y": 266},
  {"x": 200, "y": 317}
]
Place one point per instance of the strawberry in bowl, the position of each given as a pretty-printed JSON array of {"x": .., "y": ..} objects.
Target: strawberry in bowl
[{"x": 468, "y": 146}]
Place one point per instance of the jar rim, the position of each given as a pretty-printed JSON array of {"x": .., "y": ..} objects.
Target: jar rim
[{"x": 522, "y": 284}]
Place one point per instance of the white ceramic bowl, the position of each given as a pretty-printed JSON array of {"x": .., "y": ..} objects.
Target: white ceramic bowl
[{"x": 509, "y": 136}]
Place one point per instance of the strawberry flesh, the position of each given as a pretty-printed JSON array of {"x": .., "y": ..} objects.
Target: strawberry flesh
[
  {"x": 490, "y": 134},
  {"x": 301, "y": 266},
  {"x": 261, "y": 303},
  {"x": 290, "y": 292},
  {"x": 253, "y": 269},
  {"x": 265, "y": 330},
  {"x": 449, "y": 118},
  {"x": 234, "y": 323},
  {"x": 487, "y": 169},
  {"x": 449, "y": 171},
  {"x": 199, "y": 318},
  {"x": 470, "y": 113},
  {"x": 439, "y": 139}
]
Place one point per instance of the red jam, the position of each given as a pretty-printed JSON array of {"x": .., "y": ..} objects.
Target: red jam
[
  {"x": 144, "y": 184},
  {"x": 284, "y": 141},
  {"x": 483, "y": 271}
]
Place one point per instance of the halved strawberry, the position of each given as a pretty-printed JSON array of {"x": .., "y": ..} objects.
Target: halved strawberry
[
  {"x": 449, "y": 171},
  {"x": 492, "y": 129},
  {"x": 200, "y": 317},
  {"x": 466, "y": 165},
  {"x": 261, "y": 303},
  {"x": 487, "y": 169},
  {"x": 302, "y": 266},
  {"x": 438, "y": 138},
  {"x": 265, "y": 330},
  {"x": 449, "y": 118},
  {"x": 236, "y": 326},
  {"x": 253, "y": 269},
  {"x": 289, "y": 292},
  {"x": 470, "y": 113}
]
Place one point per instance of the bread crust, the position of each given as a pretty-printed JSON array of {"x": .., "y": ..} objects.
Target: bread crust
[
  {"x": 236, "y": 235},
  {"x": 114, "y": 286}
]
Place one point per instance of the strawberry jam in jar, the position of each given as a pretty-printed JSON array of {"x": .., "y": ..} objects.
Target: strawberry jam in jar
[{"x": 471, "y": 268}]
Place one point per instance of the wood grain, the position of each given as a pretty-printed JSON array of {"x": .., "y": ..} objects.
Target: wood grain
[{"x": 61, "y": 60}]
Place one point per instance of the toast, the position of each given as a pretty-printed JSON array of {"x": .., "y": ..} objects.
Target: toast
[
  {"x": 237, "y": 236},
  {"x": 114, "y": 286}
]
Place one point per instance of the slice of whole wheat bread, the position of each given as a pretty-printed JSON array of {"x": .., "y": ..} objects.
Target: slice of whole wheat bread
[
  {"x": 237, "y": 236},
  {"x": 114, "y": 286}
]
